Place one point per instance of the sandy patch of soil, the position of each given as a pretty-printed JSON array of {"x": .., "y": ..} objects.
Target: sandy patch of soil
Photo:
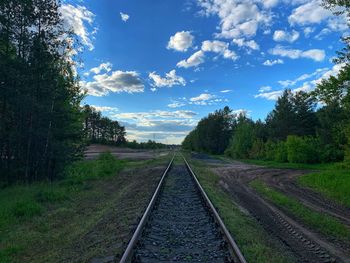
[
  {"x": 94, "y": 150},
  {"x": 306, "y": 244}
]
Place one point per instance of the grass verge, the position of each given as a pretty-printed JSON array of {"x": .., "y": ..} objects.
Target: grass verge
[
  {"x": 332, "y": 180},
  {"x": 302, "y": 166},
  {"x": 323, "y": 223},
  {"x": 334, "y": 184},
  {"x": 22, "y": 202},
  {"x": 251, "y": 238},
  {"x": 39, "y": 220}
]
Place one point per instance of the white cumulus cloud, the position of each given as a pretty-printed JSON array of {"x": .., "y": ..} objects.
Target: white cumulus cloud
[
  {"x": 312, "y": 12},
  {"x": 181, "y": 41},
  {"x": 251, "y": 44},
  {"x": 107, "y": 109},
  {"x": 238, "y": 19},
  {"x": 317, "y": 73},
  {"x": 281, "y": 35},
  {"x": 176, "y": 104},
  {"x": 161, "y": 125},
  {"x": 79, "y": 18},
  {"x": 269, "y": 3},
  {"x": 215, "y": 46},
  {"x": 202, "y": 97},
  {"x": 219, "y": 47},
  {"x": 313, "y": 79},
  {"x": 265, "y": 89},
  {"x": 114, "y": 81},
  {"x": 309, "y": 13},
  {"x": 170, "y": 79},
  {"x": 273, "y": 62},
  {"x": 107, "y": 67},
  {"x": 193, "y": 61},
  {"x": 206, "y": 99},
  {"x": 124, "y": 17},
  {"x": 314, "y": 54},
  {"x": 270, "y": 95}
]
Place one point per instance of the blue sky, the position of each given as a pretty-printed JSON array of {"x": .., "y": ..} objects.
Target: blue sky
[{"x": 159, "y": 66}]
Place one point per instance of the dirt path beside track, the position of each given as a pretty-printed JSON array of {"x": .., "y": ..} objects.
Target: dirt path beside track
[
  {"x": 94, "y": 150},
  {"x": 305, "y": 243}
]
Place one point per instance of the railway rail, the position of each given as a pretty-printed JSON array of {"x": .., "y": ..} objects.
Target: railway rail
[{"x": 181, "y": 224}]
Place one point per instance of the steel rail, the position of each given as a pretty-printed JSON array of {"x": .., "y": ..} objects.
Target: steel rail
[
  {"x": 128, "y": 253},
  {"x": 233, "y": 245}
]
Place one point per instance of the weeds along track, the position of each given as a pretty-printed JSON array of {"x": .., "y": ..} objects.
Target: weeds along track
[{"x": 181, "y": 225}]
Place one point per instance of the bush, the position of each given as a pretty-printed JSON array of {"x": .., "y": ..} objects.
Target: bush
[
  {"x": 330, "y": 153},
  {"x": 106, "y": 165},
  {"x": 347, "y": 146},
  {"x": 280, "y": 152},
  {"x": 258, "y": 150},
  {"x": 242, "y": 141},
  {"x": 302, "y": 150},
  {"x": 270, "y": 150}
]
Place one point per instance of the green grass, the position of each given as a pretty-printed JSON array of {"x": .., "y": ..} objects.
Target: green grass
[
  {"x": 323, "y": 223},
  {"x": 332, "y": 180},
  {"x": 303, "y": 166},
  {"x": 26, "y": 209},
  {"x": 250, "y": 236},
  {"x": 106, "y": 165},
  {"x": 334, "y": 184},
  {"x": 24, "y": 204},
  {"x": 51, "y": 195},
  {"x": 26, "y": 201},
  {"x": 7, "y": 254}
]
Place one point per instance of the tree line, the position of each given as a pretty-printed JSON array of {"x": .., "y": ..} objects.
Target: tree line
[
  {"x": 299, "y": 129},
  {"x": 43, "y": 127},
  {"x": 40, "y": 116},
  {"x": 149, "y": 145},
  {"x": 303, "y": 127},
  {"x": 103, "y": 130},
  {"x": 100, "y": 129}
]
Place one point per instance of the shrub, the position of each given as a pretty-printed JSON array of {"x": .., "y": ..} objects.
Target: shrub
[
  {"x": 330, "y": 153},
  {"x": 106, "y": 165},
  {"x": 258, "y": 150},
  {"x": 270, "y": 148},
  {"x": 302, "y": 150},
  {"x": 280, "y": 152},
  {"x": 347, "y": 146},
  {"x": 242, "y": 141}
]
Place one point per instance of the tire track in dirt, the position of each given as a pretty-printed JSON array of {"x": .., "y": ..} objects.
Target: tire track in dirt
[
  {"x": 305, "y": 244},
  {"x": 289, "y": 186}
]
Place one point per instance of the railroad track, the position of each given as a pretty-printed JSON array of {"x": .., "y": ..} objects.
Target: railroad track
[{"x": 181, "y": 224}]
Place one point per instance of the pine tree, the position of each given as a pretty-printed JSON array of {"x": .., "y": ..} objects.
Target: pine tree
[
  {"x": 304, "y": 107},
  {"x": 281, "y": 122},
  {"x": 40, "y": 116}
]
